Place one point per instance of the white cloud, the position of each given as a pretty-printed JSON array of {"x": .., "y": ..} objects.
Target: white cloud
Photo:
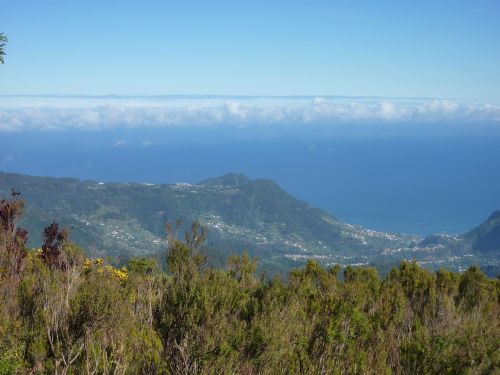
[
  {"x": 120, "y": 143},
  {"x": 389, "y": 111},
  {"x": 95, "y": 113},
  {"x": 146, "y": 143}
]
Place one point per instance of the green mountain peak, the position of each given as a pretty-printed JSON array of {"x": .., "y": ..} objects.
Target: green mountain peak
[{"x": 229, "y": 179}]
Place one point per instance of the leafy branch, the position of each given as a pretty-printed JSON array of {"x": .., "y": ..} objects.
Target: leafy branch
[{"x": 3, "y": 42}]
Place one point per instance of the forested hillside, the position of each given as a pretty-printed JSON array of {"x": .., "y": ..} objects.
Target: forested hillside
[
  {"x": 124, "y": 220},
  {"x": 63, "y": 313}
]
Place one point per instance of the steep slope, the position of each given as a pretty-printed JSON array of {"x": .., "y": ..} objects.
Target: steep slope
[
  {"x": 486, "y": 237},
  {"x": 480, "y": 245},
  {"x": 482, "y": 240}
]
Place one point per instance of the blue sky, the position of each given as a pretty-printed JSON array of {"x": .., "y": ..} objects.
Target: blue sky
[
  {"x": 437, "y": 49},
  {"x": 383, "y": 111}
]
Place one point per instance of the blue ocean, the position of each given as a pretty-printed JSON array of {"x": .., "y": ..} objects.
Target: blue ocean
[{"x": 391, "y": 181}]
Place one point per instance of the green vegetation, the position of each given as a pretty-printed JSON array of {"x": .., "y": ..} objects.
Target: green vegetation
[
  {"x": 63, "y": 313},
  {"x": 127, "y": 220},
  {"x": 3, "y": 42}
]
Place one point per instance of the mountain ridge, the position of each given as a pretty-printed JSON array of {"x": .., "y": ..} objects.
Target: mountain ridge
[{"x": 127, "y": 219}]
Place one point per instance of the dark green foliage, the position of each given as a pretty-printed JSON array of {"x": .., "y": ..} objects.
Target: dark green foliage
[
  {"x": 143, "y": 266},
  {"x": 474, "y": 289},
  {"x": 89, "y": 317},
  {"x": 3, "y": 42}
]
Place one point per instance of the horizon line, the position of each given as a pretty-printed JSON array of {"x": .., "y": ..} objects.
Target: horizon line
[{"x": 222, "y": 96}]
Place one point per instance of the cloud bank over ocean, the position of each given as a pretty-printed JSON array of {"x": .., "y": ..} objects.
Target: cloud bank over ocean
[{"x": 95, "y": 113}]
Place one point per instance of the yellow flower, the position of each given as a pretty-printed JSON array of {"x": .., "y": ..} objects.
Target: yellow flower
[
  {"x": 87, "y": 263},
  {"x": 120, "y": 274}
]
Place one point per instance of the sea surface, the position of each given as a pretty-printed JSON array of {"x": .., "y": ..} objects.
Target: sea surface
[{"x": 413, "y": 181}]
